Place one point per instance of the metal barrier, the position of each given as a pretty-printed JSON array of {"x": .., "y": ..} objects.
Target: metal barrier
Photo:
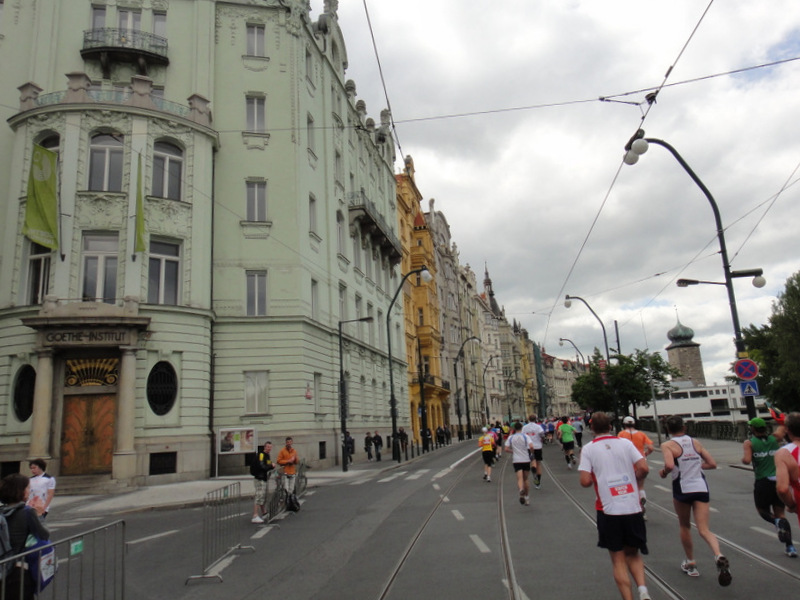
[
  {"x": 223, "y": 528},
  {"x": 87, "y": 565}
]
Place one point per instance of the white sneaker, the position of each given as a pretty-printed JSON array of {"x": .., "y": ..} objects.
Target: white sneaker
[
  {"x": 644, "y": 595},
  {"x": 257, "y": 520},
  {"x": 690, "y": 568}
]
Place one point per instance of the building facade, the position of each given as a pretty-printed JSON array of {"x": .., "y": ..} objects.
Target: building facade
[{"x": 223, "y": 202}]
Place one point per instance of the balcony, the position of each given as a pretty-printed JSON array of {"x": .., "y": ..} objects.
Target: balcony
[
  {"x": 432, "y": 381},
  {"x": 363, "y": 212},
  {"x": 110, "y": 45}
]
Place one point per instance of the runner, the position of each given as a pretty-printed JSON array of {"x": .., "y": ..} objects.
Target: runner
[
  {"x": 759, "y": 450},
  {"x": 644, "y": 445},
  {"x": 686, "y": 459},
  {"x": 520, "y": 445},
  {"x": 577, "y": 423},
  {"x": 534, "y": 431},
  {"x": 566, "y": 435},
  {"x": 612, "y": 465},
  {"x": 487, "y": 446},
  {"x": 787, "y": 466}
]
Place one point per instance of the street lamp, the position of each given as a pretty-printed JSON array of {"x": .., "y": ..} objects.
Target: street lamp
[
  {"x": 466, "y": 398},
  {"x": 561, "y": 343},
  {"x": 343, "y": 390},
  {"x": 568, "y": 302},
  {"x": 637, "y": 146},
  {"x": 426, "y": 276}
]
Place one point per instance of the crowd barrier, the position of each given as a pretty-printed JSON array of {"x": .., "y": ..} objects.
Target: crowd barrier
[
  {"x": 86, "y": 565},
  {"x": 223, "y": 528}
]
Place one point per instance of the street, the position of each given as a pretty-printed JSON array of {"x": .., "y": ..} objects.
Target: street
[{"x": 434, "y": 528}]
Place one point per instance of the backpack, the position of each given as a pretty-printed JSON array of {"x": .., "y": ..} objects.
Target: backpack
[
  {"x": 6, "y": 550},
  {"x": 292, "y": 503},
  {"x": 258, "y": 468}
]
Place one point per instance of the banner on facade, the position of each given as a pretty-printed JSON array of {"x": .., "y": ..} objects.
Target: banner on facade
[
  {"x": 241, "y": 440},
  {"x": 41, "y": 209},
  {"x": 139, "y": 245}
]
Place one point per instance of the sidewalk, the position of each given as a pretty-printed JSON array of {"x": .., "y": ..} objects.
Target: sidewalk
[{"x": 192, "y": 493}]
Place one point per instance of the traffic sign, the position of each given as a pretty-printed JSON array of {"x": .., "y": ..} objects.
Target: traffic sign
[
  {"x": 749, "y": 388},
  {"x": 746, "y": 369}
]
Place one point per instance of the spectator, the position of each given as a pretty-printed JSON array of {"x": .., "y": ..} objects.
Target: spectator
[
  {"x": 350, "y": 445},
  {"x": 368, "y": 446},
  {"x": 43, "y": 485},
  {"x": 260, "y": 470},
  {"x": 377, "y": 441},
  {"x": 287, "y": 458}
]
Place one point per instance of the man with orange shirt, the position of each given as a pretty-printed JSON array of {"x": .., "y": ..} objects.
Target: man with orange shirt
[
  {"x": 287, "y": 458},
  {"x": 643, "y": 444}
]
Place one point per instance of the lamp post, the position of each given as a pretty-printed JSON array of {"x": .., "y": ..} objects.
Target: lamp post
[
  {"x": 466, "y": 399},
  {"x": 485, "y": 391},
  {"x": 426, "y": 277},
  {"x": 637, "y": 146},
  {"x": 343, "y": 390},
  {"x": 561, "y": 343},
  {"x": 568, "y": 302}
]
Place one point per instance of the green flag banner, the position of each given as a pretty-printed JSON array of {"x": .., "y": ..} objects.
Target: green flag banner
[
  {"x": 140, "y": 243},
  {"x": 41, "y": 210}
]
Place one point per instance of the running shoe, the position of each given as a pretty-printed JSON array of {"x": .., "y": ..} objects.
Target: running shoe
[
  {"x": 538, "y": 486},
  {"x": 784, "y": 531},
  {"x": 528, "y": 503},
  {"x": 484, "y": 475},
  {"x": 569, "y": 466},
  {"x": 724, "y": 576},
  {"x": 791, "y": 552},
  {"x": 572, "y": 456},
  {"x": 257, "y": 520},
  {"x": 488, "y": 479},
  {"x": 522, "y": 497},
  {"x": 642, "y": 502},
  {"x": 690, "y": 568},
  {"x": 644, "y": 595}
]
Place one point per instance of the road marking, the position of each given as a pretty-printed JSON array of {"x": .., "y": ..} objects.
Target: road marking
[
  {"x": 457, "y": 514},
  {"x": 361, "y": 482},
  {"x": 436, "y": 486},
  {"x": 152, "y": 537},
  {"x": 441, "y": 474},
  {"x": 662, "y": 488},
  {"x": 445, "y": 499},
  {"x": 479, "y": 543},
  {"x": 654, "y": 461},
  {"x": 262, "y": 531},
  {"x": 770, "y": 533},
  {"x": 220, "y": 566},
  {"x": 417, "y": 475},
  {"x": 520, "y": 594},
  {"x": 712, "y": 509},
  {"x": 309, "y": 493},
  {"x": 395, "y": 476}
]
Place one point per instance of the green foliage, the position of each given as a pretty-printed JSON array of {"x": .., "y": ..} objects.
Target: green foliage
[
  {"x": 775, "y": 348},
  {"x": 623, "y": 383}
]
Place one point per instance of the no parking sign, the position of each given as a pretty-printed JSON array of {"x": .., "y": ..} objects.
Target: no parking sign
[{"x": 746, "y": 369}]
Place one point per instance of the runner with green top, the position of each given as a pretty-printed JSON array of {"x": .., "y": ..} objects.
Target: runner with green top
[{"x": 566, "y": 434}]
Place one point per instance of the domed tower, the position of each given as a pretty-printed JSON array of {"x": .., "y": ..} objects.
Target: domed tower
[{"x": 684, "y": 354}]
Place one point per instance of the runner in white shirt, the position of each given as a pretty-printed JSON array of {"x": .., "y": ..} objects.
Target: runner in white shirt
[
  {"x": 612, "y": 465},
  {"x": 535, "y": 431},
  {"x": 520, "y": 445}
]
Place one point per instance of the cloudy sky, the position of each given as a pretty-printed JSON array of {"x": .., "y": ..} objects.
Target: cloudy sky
[{"x": 498, "y": 102}]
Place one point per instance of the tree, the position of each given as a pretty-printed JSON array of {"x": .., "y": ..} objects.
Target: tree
[
  {"x": 624, "y": 384},
  {"x": 775, "y": 348}
]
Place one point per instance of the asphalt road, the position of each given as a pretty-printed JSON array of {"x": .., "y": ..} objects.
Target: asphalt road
[{"x": 432, "y": 528}]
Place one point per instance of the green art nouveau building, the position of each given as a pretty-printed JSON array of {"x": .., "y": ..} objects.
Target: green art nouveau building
[{"x": 222, "y": 203}]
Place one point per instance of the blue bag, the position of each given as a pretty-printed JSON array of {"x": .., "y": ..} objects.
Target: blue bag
[{"x": 42, "y": 564}]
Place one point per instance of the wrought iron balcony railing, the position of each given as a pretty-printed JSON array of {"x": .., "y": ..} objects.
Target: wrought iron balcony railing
[{"x": 109, "y": 38}]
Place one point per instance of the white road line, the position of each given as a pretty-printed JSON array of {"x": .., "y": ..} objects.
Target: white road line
[
  {"x": 457, "y": 514},
  {"x": 655, "y": 462},
  {"x": 262, "y": 531},
  {"x": 359, "y": 482},
  {"x": 395, "y": 476},
  {"x": 520, "y": 594},
  {"x": 445, "y": 499},
  {"x": 662, "y": 488},
  {"x": 437, "y": 487},
  {"x": 440, "y": 474},
  {"x": 479, "y": 543},
  {"x": 417, "y": 475},
  {"x": 770, "y": 533},
  {"x": 309, "y": 493},
  {"x": 152, "y": 537},
  {"x": 712, "y": 509},
  {"x": 221, "y": 565}
]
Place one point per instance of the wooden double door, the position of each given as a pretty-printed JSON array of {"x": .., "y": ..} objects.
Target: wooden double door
[{"x": 87, "y": 439}]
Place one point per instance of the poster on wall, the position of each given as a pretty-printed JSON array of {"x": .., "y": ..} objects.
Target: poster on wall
[{"x": 241, "y": 440}]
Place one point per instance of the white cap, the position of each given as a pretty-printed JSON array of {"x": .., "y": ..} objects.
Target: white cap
[
  {"x": 628, "y": 421},
  {"x": 484, "y": 430}
]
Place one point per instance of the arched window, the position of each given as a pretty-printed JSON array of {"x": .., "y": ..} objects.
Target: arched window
[
  {"x": 162, "y": 388},
  {"x": 23, "y": 393},
  {"x": 167, "y": 170},
  {"x": 105, "y": 163}
]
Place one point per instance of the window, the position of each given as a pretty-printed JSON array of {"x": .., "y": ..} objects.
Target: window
[
  {"x": 164, "y": 273},
  {"x": 130, "y": 19},
  {"x": 256, "y": 392},
  {"x": 309, "y": 66},
  {"x": 160, "y": 24},
  {"x": 256, "y": 293},
  {"x": 257, "y": 201},
  {"x": 421, "y": 316},
  {"x": 381, "y": 340},
  {"x": 340, "y": 232},
  {"x": 98, "y": 17},
  {"x": 162, "y": 388},
  {"x": 358, "y": 315},
  {"x": 38, "y": 273},
  {"x": 255, "y": 40},
  {"x": 342, "y": 302},
  {"x": 312, "y": 214},
  {"x": 255, "y": 114},
  {"x": 357, "y": 251},
  {"x": 368, "y": 261},
  {"x": 167, "y": 170},
  {"x": 314, "y": 300},
  {"x": 100, "y": 267},
  {"x": 370, "y": 325},
  {"x": 312, "y": 142},
  {"x": 338, "y": 168},
  {"x": 105, "y": 163},
  {"x": 25, "y": 382}
]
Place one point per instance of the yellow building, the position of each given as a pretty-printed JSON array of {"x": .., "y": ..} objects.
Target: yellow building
[{"x": 428, "y": 392}]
